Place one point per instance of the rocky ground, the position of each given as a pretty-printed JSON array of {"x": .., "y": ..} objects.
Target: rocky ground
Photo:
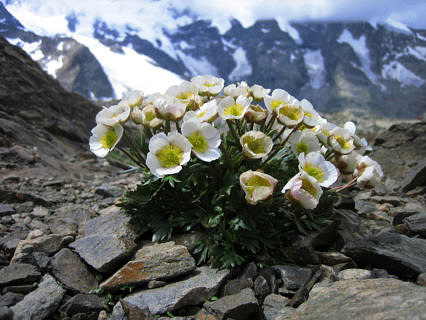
[{"x": 67, "y": 252}]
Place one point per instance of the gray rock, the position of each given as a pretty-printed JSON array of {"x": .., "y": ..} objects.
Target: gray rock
[
  {"x": 242, "y": 305},
  {"x": 10, "y": 298},
  {"x": 188, "y": 239},
  {"x": 333, "y": 258},
  {"x": 69, "y": 219},
  {"x": 293, "y": 277},
  {"x": 153, "y": 262},
  {"x": 10, "y": 241},
  {"x": 6, "y": 313},
  {"x": 18, "y": 273},
  {"x": 236, "y": 285},
  {"x": 194, "y": 289},
  {"x": 261, "y": 287},
  {"x": 83, "y": 303},
  {"x": 68, "y": 268},
  {"x": 363, "y": 300},
  {"x": 354, "y": 274},
  {"x": 107, "y": 240},
  {"x": 40, "y": 303},
  {"x": 417, "y": 223},
  {"x": 6, "y": 209},
  {"x": 48, "y": 244},
  {"x": 107, "y": 190},
  {"x": 394, "y": 252},
  {"x": 273, "y": 306},
  {"x": 421, "y": 279},
  {"x": 416, "y": 177},
  {"x": 249, "y": 272}
]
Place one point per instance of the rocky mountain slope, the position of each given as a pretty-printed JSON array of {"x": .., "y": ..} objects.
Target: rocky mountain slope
[
  {"x": 378, "y": 67},
  {"x": 67, "y": 252}
]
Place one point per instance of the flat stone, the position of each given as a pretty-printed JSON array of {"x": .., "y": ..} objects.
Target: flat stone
[
  {"x": 68, "y": 268},
  {"x": 417, "y": 223},
  {"x": 69, "y": 219},
  {"x": 273, "y": 306},
  {"x": 293, "y": 276},
  {"x": 6, "y": 209},
  {"x": 363, "y": 300},
  {"x": 421, "y": 279},
  {"x": 416, "y": 177},
  {"x": 6, "y": 313},
  {"x": 107, "y": 240},
  {"x": 18, "y": 273},
  {"x": 195, "y": 289},
  {"x": 354, "y": 274},
  {"x": 242, "y": 305},
  {"x": 48, "y": 244},
  {"x": 396, "y": 253},
  {"x": 107, "y": 190},
  {"x": 249, "y": 271},
  {"x": 10, "y": 298},
  {"x": 333, "y": 258},
  {"x": 261, "y": 287},
  {"x": 83, "y": 303},
  {"x": 188, "y": 240},
  {"x": 236, "y": 285},
  {"x": 9, "y": 242},
  {"x": 153, "y": 262},
  {"x": 40, "y": 303},
  {"x": 40, "y": 211}
]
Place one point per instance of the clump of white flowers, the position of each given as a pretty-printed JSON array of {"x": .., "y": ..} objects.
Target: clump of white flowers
[{"x": 193, "y": 121}]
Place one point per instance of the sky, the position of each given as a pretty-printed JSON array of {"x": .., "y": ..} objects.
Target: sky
[{"x": 409, "y": 12}]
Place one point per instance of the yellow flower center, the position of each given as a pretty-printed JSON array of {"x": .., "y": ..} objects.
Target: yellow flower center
[
  {"x": 170, "y": 156},
  {"x": 198, "y": 141},
  {"x": 255, "y": 182},
  {"x": 255, "y": 145},
  {"x": 315, "y": 172},
  {"x": 234, "y": 110},
  {"x": 209, "y": 85},
  {"x": 290, "y": 112},
  {"x": 109, "y": 139},
  {"x": 344, "y": 144},
  {"x": 307, "y": 114},
  {"x": 201, "y": 114},
  {"x": 150, "y": 115},
  {"x": 276, "y": 103},
  {"x": 325, "y": 132},
  {"x": 302, "y": 147},
  {"x": 183, "y": 96},
  {"x": 307, "y": 186}
]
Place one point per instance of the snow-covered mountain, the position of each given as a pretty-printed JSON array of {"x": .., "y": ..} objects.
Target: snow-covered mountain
[{"x": 380, "y": 66}]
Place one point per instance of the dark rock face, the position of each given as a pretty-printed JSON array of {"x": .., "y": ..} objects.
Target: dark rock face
[{"x": 18, "y": 273}]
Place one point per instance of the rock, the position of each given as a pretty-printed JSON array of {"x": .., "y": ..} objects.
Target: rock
[
  {"x": 83, "y": 303},
  {"x": 133, "y": 312},
  {"x": 6, "y": 313},
  {"x": 394, "y": 252},
  {"x": 40, "y": 212},
  {"x": 108, "y": 190},
  {"x": 293, "y": 277},
  {"x": 40, "y": 303},
  {"x": 415, "y": 178},
  {"x": 72, "y": 272},
  {"x": 273, "y": 306},
  {"x": 41, "y": 260},
  {"x": 261, "y": 287},
  {"x": 302, "y": 251},
  {"x": 196, "y": 288},
  {"x": 417, "y": 223},
  {"x": 10, "y": 298},
  {"x": 349, "y": 226},
  {"x": 421, "y": 279},
  {"x": 155, "y": 284},
  {"x": 6, "y": 209},
  {"x": 401, "y": 215},
  {"x": 236, "y": 285},
  {"x": 24, "y": 288},
  {"x": 107, "y": 240},
  {"x": 188, "y": 239},
  {"x": 48, "y": 244},
  {"x": 69, "y": 219},
  {"x": 363, "y": 299},
  {"x": 10, "y": 241},
  {"x": 153, "y": 262},
  {"x": 333, "y": 258},
  {"x": 18, "y": 273},
  {"x": 242, "y": 305},
  {"x": 354, "y": 274},
  {"x": 249, "y": 272}
]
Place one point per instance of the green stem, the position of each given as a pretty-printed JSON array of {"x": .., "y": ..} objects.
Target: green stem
[
  {"x": 231, "y": 128},
  {"x": 279, "y": 134},
  {"x": 140, "y": 164},
  {"x": 135, "y": 148},
  {"x": 177, "y": 126},
  {"x": 282, "y": 144},
  {"x": 167, "y": 127}
]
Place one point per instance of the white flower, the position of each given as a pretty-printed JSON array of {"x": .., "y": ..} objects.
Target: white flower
[
  {"x": 204, "y": 138},
  {"x": 360, "y": 143},
  {"x": 258, "y": 92},
  {"x": 257, "y": 186},
  {"x": 315, "y": 165},
  {"x": 311, "y": 118},
  {"x": 369, "y": 173},
  {"x": 113, "y": 115},
  {"x": 289, "y": 115},
  {"x": 256, "y": 144},
  {"x": 304, "y": 141},
  {"x": 147, "y": 117},
  {"x": 169, "y": 108},
  {"x": 256, "y": 114},
  {"x": 304, "y": 189},
  {"x": 341, "y": 140},
  {"x": 324, "y": 131},
  {"x": 167, "y": 154},
  {"x": 104, "y": 139},
  {"x": 208, "y": 85},
  {"x": 135, "y": 98},
  {"x": 347, "y": 162},
  {"x": 206, "y": 113},
  {"x": 235, "y": 91},
  {"x": 231, "y": 109},
  {"x": 186, "y": 92},
  {"x": 278, "y": 97}
]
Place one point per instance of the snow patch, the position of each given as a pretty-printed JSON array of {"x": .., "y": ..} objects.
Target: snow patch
[
  {"x": 287, "y": 27},
  {"x": 292, "y": 57},
  {"x": 397, "y": 26},
  {"x": 183, "y": 45},
  {"x": 53, "y": 65},
  {"x": 198, "y": 66},
  {"x": 419, "y": 36},
  {"x": 314, "y": 62},
  {"x": 396, "y": 71},
  {"x": 264, "y": 30},
  {"x": 60, "y": 46},
  {"x": 362, "y": 52},
  {"x": 130, "y": 71},
  {"x": 243, "y": 67},
  {"x": 418, "y": 52},
  {"x": 32, "y": 48}
]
